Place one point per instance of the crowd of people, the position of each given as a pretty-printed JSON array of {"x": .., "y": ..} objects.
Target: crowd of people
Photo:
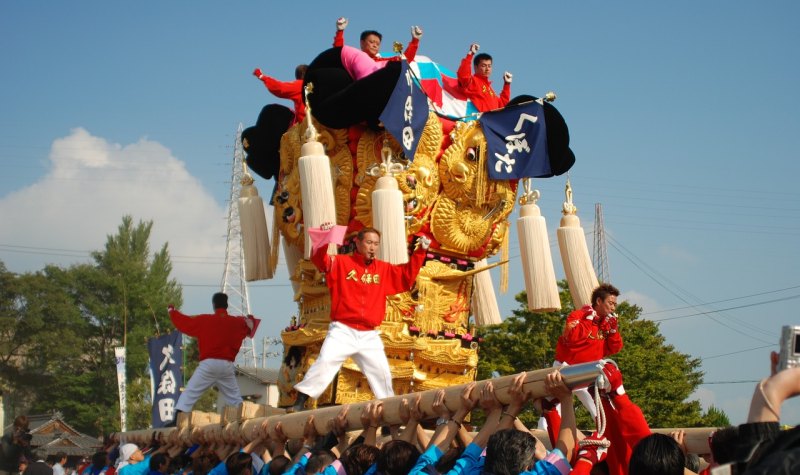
[{"x": 501, "y": 446}]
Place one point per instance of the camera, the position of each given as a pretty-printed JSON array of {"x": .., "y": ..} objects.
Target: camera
[{"x": 789, "y": 356}]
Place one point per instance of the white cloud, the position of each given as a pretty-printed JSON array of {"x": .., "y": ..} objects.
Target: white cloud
[
  {"x": 91, "y": 184},
  {"x": 677, "y": 254},
  {"x": 647, "y": 303}
]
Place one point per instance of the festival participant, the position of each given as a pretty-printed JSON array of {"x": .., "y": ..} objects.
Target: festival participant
[
  {"x": 219, "y": 338},
  {"x": 590, "y": 333},
  {"x": 370, "y": 42},
  {"x": 477, "y": 87},
  {"x": 357, "y": 62},
  {"x": 15, "y": 446},
  {"x": 292, "y": 90},
  {"x": 358, "y": 284}
]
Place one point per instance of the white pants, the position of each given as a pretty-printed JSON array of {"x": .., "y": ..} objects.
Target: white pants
[
  {"x": 342, "y": 342},
  {"x": 584, "y": 396},
  {"x": 208, "y": 373}
]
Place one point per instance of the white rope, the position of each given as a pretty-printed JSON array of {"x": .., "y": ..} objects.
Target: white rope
[{"x": 600, "y": 420}]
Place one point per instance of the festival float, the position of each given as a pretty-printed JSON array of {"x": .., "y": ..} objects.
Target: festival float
[{"x": 404, "y": 151}]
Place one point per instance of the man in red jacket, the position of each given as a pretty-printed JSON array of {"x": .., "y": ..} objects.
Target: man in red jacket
[
  {"x": 292, "y": 90},
  {"x": 358, "y": 284},
  {"x": 477, "y": 87},
  {"x": 591, "y": 333},
  {"x": 219, "y": 338}
]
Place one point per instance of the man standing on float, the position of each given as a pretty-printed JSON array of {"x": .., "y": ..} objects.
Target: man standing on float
[{"x": 358, "y": 284}]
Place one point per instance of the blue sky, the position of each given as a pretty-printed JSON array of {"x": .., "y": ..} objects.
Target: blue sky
[{"x": 683, "y": 118}]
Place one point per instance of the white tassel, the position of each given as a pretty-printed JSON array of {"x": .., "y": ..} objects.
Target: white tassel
[
  {"x": 255, "y": 237},
  {"x": 484, "y": 300},
  {"x": 575, "y": 255},
  {"x": 389, "y": 219},
  {"x": 537, "y": 262},
  {"x": 316, "y": 185}
]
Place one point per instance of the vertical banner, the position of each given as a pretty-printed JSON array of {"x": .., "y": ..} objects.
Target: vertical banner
[
  {"x": 119, "y": 358},
  {"x": 166, "y": 357},
  {"x": 406, "y": 112}
]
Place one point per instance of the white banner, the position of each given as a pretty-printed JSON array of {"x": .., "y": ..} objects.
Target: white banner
[{"x": 119, "y": 357}]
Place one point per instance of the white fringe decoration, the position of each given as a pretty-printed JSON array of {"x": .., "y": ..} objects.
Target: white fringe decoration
[
  {"x": 316, "y": 185},
  {"x": 292, "y": 255},
  {"x": 537, "y": 262},
  {"x": 255, "y": 237},
  {"x": 575, "y": 255},
  {"x": 388, "y": 218},
  {"x": 484, "y": 300}
]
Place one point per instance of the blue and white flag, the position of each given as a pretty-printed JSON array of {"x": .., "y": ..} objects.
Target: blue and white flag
[
  {"x": 166, "y": 357},
  {"x": 516, "y": 138},
  {"x": 406, "y": 112}
]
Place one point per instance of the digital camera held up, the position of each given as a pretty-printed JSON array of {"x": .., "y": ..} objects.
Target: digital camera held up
[{"x": 789, "y": 356}]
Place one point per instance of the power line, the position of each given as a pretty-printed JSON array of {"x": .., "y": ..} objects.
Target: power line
[
  {"x": 783, "y": 299},
  {"x": 728, "y": 300},
  {"x": 617, "y": 245}
]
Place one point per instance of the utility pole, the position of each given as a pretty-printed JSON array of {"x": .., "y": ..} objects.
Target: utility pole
[
  {"x": 599, "y": 256},
  {"x": 233, "y": 281}
]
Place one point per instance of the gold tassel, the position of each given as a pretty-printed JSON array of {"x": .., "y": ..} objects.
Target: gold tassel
[
  {"x": 276, "y": 241},
  {"x": 504, "y": 267},
  {"x": 481, "y": 177}
]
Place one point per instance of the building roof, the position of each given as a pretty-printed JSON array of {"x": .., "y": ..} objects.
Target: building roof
[{"x": 51, "y": 434}]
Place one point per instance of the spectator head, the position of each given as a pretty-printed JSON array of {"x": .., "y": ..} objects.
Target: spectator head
[
  {"x": 397, "y": 457},
  {"x": 239, "y": 463},
  {"x": 300, "y": 71},
  {"x": 510, "y": 452},
  {"x": 219, "y": 300},
  {"x": 99, "y": 459},
  {"x": 657, "y": 454},
  {"x": 357, "y": 459},
  {"x": 280, "y": 464},
  {"x": 318, "y": 461},
  {"x": 159, "y": 463},
  {"x": 723, "y": 444},
  {"x": 61, "y": 458},
  {"x": 130, "y": 454}
]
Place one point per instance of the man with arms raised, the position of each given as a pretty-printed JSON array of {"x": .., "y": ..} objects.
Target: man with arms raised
[{"x": 359, "y": 284}]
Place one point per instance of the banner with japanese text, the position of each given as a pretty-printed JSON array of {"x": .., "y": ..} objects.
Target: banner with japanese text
[
  {"x": 406, "y": 113},
  {"x": 516, "y": 137},
  {"x": 166, "y": 356},
  {"x": 119, "y": 362}
]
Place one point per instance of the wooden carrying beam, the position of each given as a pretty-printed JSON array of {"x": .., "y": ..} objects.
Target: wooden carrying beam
[{"x": 204, "y": 428}]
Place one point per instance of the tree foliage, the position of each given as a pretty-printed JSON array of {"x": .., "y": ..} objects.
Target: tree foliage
[
  {"x": 657, "y": 377},
  {"x": 59, "y": 327}
]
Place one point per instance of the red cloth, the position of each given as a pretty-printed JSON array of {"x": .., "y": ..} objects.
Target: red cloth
[
  {"x": 478, "y": 88},
  {"x": 292, "y": 90},
  {"x": 359, "y": 291},
  {"x": 585, "y": 339},
  {"x": 582, "y": 467},
  {"x": 218, "y": 336},
  {"x": 625, "y": 427}
]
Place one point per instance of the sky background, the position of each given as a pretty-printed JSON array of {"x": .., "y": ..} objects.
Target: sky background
[{"x": 683, "y": 118}]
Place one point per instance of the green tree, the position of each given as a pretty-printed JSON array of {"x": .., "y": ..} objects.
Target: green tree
[
  {"x": 657, "y": 377},
  {"x": 60, "y": 327}
]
